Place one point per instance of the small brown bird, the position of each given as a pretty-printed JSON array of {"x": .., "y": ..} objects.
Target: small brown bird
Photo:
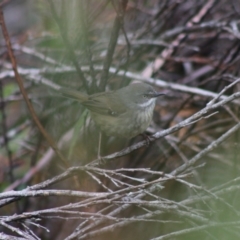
[{"x": 126, "y": 112}]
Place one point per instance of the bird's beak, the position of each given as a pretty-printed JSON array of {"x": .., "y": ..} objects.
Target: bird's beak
[{"x": 156, "y": 94}]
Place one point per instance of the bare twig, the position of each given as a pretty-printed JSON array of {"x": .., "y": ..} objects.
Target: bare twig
[{"x": 20, "y": 83}]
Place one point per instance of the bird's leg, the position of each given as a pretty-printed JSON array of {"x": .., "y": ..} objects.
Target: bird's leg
[
  {"x": 101, "y": 160},
  {"x": 146, "y": 138},
  {"x": 99, "y": 145}
]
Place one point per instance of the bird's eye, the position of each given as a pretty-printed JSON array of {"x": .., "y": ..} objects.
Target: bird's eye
[
  {"x": 145, "y": 96},
  {"x": 112, "y": 113}
]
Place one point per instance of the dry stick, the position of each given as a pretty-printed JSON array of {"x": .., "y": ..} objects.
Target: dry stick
[
  {"x": 124, "y": 222},
  {"x": 17, "y": 230},
  {"x": 83, "y": 234},
  {"x": 223, "y": 91},
  {"x": 34, "y": 75},
  {"x": 209, "y": 148},
  {"x": 221, "y": 139},
  {"x": 10, "y": 237},
  {"x": 75, "y": 170},
  {"x": 69, "y": 210},
  {"x": 54, "y": 192},
  {"x": 22, "y": 89},
  {"x": 116, "y": 193},
  {"x": 69, "y": 172},
  {"x": 77, "y": 193},
  {"x": 158, "y": 63},
  {"x": 42, "y": 162},
  {"x": 110, "y": 227},
  {"x": 158, "y": 203},
  {"x": 35, "y": 53}
]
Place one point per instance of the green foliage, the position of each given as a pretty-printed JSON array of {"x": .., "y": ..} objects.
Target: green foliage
[{"x": 9, "y": 89}]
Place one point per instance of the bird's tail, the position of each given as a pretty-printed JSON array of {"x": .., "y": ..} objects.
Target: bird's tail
[{"x": 73, "y": 94}]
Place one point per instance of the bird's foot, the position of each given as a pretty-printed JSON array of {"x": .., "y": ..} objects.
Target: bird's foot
[
  {"x": 146, "y": 138},
  {"x": 101, "y": 160}
]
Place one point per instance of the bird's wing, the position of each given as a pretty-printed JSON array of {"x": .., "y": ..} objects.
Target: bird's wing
[{"x": 105, "y": 104}]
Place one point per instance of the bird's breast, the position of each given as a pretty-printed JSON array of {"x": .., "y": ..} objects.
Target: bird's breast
[{"x": 129, "y": 124}]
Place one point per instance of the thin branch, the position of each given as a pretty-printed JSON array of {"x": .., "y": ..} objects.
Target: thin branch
[
  {"x": 22, "y": 89},
  {"x": 117, "y": 25}
]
